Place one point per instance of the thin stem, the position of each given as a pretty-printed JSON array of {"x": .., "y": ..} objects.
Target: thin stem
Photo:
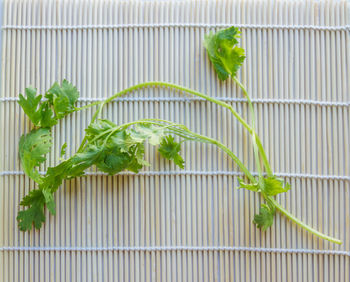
[
  {"x": 280, "y": 208},
  {"x": 229, "y": 152},
  {"x": 201, "y": 137},
  {"x": 206, "y": 97},
  {"x": 187, "y": 90},
  {"x": 88, "y": 106},
  {"x": 257, "y": 142},
  {"x": 81, "y": 147},
  {"x": 217, "y": 143},
  {"x": 303, "y": 225},
  {"x": 255, "y": 147}
]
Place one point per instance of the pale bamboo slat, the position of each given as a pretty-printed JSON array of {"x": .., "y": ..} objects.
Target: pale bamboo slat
[{"x": 297, "y": 71}]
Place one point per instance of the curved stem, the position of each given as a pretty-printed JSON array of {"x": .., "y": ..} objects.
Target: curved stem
[
  {"x": 171, "y": 85},
  {"x": 217, "y": 143},
  {"x": 208, "y": 98},
  {"x": 193, "y": 92},
  {"x": 88, "y": 106},
  {"x": 280, "y": 208},
  {"x": 303, "y": 225},
  {"x": 204, "y": 138},
  {"x": 230, "y": 153}
]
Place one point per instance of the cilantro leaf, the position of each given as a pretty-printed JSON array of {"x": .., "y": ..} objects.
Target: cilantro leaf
[
  {"x": 273, "y": 186},
  {"x": 55, "y": 176},
  {"x": 148, "y": 132},
  {"x": 98, "y": 127},
  {"x": 63, "y": 150},
  {"x": 77, "y": 164},
  {"x": 112, "y": 160},
  {"x": 49, "y": 201},
  {"x": 40, "y": 114},
  {"x": 265, "y": 217},
  {"x": 35, "y": 200},
  {"x": 252, "y": 187},
  {"x": 30, "y": 105},
  {"x": 137, "y": 162},
  {"x": 170, "y": 149},
  {"x": 62, "y": 98},
  {"x": 32, "y": 150},
  {"x": 223, "y": 52},
  {"x": 34, "y": 214},
  {"x": 47, "y": 118},
  {"x": 123, "y": 140}
]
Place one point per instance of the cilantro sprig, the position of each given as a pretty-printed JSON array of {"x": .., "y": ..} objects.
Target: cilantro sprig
[{"x": 113, "y": 148}]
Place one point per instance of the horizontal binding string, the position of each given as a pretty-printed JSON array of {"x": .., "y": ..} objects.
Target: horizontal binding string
[
  {"x": 176, "y": 25},
  {"x": 204, "y": 173},
  {"x": 176, "y": 248},
  {"x": 225, "y": 99}
]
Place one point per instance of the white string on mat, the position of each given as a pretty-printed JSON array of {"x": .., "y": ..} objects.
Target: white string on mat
[
  {"x": 204, "y": 173},
  {"x": 225, "y": 99},
  {"x": 175, "y": 248},
  {"x": 175, "y": 25}
]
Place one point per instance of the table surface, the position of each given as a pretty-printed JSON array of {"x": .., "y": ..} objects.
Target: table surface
[{"x": 193, "y": 224}]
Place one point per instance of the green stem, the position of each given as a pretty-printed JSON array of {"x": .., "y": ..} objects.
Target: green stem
[
  {"x": 81, "y": 147},
  {"x": 303, "y": 225},
  {"x": 280, "y": 208},
  {"x": 195, "y": 93},
  {"x": 88, "y": 106},
  {"x": 230, "y": 153},
  {"x": 255, "y": 147},
  {"x": 217, "y": 143},
  {"x": 256, "y": 142}
]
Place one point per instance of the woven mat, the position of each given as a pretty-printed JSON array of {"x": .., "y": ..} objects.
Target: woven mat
[{"x": 193, "y": 224}]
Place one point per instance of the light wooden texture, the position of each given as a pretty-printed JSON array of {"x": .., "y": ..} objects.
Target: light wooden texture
[{"x": 189, "y": 209}]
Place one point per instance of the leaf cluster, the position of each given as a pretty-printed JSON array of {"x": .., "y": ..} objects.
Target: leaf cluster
[
  {"x": 60, "y": 100},
  {"x": 109, "y": 147},
  {"x": 224, "y": 53},
  {"x": 269, "y": 186}
]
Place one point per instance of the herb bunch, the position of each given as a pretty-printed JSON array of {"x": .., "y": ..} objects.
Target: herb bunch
[{"x": 114, "y": 148}]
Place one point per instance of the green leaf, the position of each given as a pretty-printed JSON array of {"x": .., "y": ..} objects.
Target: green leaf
[
  {"x": 98, "y": 127},
  {"x": 63, "y": 150},
  {"x": 30, "y": 105},
  {"x": 40, "y": 114},
  {"x": 170, "y": 149},
  {"x": 55, "y": 175},
  {"x": 137, "y": 162},
  {"x": 123, "y": 140},
  {"x": 81, "y": 161},
  {"x": 32, "y": 150},
  {"x": 223, "y": 52},
  {"x": 150, "y": 132},
  {"x": 62, "y": 98},
  {"x": 34, "y": 214},
  {"x": 49, "y": 200},
  {"x": 252, "y": 187},
  {"x": 112, "y": 160},
  {"x": 265, "y": 217},
  {"x": 35, "y": 200},
  {"x": 273, "y": 186},
  {"x": 47, "y": 118}
]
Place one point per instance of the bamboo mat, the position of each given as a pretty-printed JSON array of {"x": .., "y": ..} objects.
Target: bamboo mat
[{"x": 167, "y": 224}]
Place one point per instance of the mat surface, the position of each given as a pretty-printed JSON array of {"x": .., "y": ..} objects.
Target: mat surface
[{"x": 167, "y": 224}]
